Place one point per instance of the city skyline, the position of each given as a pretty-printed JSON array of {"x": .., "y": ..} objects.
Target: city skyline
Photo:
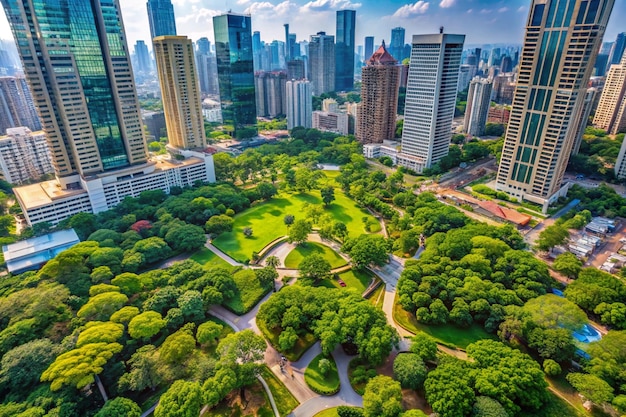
[{"x": 506, "y": 18}]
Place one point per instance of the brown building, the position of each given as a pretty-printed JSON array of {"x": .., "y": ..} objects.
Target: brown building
[
  {"x": 376, "y": 119},
  {"x": 499, "y": 114}
]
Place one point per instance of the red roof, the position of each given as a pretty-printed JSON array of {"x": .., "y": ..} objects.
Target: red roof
[{"x": 382, "y": 57}]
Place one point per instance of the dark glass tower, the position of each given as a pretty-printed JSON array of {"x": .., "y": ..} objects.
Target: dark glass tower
[
  {"x": 161, "y": 17},
  {"x": 369, "y": 47},
  {"x": 235, "y": 69},
  {"x": 77, "y": 63},
  {"x": 344, "y": 50},
  {"x": 396, "y": 48}
]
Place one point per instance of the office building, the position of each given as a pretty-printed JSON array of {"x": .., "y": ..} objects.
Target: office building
[
  {"x": 88, "y": 104},
  {"x": 33, "y": 253},
  {"x": 142, "y": 57},
  {"x": 299, "y": 104},
  {"x": 206, "y": 66},
  {"x": 344, "y": 50},
  {"x": 154, "y": 121},
  {"x": 620, "y": 165},
  {"x": 590, "y": 99},
  {"x": 257, "y": 51},
  {"x": 431, "y": 98},
  {"x": 180, "y": 91},
  {"x": 322, "y": 63},
  {"x": 396, "y": 47},
  {"x": 369, "y": 47},
  {"x": 295, "y": 70},
  {"x": 466, "y": 74},
  {"x": 477, "y": 109},
  {"x": 16, "y": 105},
  {"x": 506, "y": 65},
  {"x": 233, "y": 46},
  {"x": 499, "y": 114},
  {"x": 550, "y": 96},
  {"x": 378, "y": 109},
  {"x": 270, "y": 93},
  {"x": 331, "y": 122},
  {"x": 611, "y": 112},
  {"x": 617, "y": 49},
  {"x": 24, "y": 155},
  {"x": 330, "y": 105},
  {"x": 161, "y": 18},
  {"x": 503, "y": 88}
]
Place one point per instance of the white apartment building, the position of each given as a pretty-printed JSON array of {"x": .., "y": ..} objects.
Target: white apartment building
[{"x": 24, "y": 155}]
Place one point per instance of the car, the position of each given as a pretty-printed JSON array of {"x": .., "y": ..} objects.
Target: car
[{"x": 341, "y": 283}]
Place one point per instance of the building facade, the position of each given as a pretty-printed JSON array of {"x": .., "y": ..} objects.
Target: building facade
[
  {"x": 270, "y": 93},
  {"x": 369, "y": 47},
  {"x": 380, "y": 83},
  {"x": 344, "y": 50},
  {"x": 299, "y": 104},
  {"x": 550, "y": 95},
  {"x": 331, "y": 122},
  {"x": 207, "y": 67},
  {"x": 235, "y": 68},
  {"x": 617, "y": 49},
  {"x": 581, "y": 125},
  {"x": 16, "y": 105},
  {"x": 611, "y": 112},
  {"x": 295, "y": 69},
  {"x": 142, "y": 57},
  {"x": 322, "y": 63},
  {"x": 161, "y": 18},
  {"x": 24, "y": 155},
  {"x": 478, "y": 104},
  {"x": 180, "y": 91},
  {"x": 396, "y": 46},
  {"x": 431, "y": 96}
]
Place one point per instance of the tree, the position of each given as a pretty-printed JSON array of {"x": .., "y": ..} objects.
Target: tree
[
  {"x": 128, "y": 282},
  {"x": 314, "y": 268},
  {"x": 219, "y": 224},
  {"x": 246, "y": 350},
  {"x": 488, "y": 407},
  {"x": 568, "y": 264},
  {"x": 382, "y": 398},
  {"x": 266, "y": 190},
  {"x": 414, "y": 413},
  {"x": 366, "y": 250},
  {"x": 101, "y": 306},
  {"x": 177, "y": 347},
  {"x": 182, "y": 399},
  {"x": 299, "y": 232},
  {"x": 340, "y": 230},
  {"x": 591, "y": 387},
  {"x": 144, "y": 370},
  {"x": 613, "y": 314},
  {"x": 125, "y": 314},
  {"x": 153, "y": 249},
  {"x": 146, "y": 325},
  {"x": 247, "y": 232},
  {"x": 272, "y": 262},
  {"x": 191, "y": 305},
  {"x": 22, "y": 366},
  {"x": 551, "y": 311},
  {"x": 328, "y": 195},
  {"x": 100, "y": 332},
  {"x": 608, "y": 358},
  {"x": 208, "y": 332},
  {"x": 345, "y": 411},
  {"x": 448, "y": 388},
  {"x": 289, "y": 219},
  {"x": 266, "y": 276},
  {"x": 186, "y": 238},
  {"x": 424, "y": 346},
  {"x": 551, "y": 367},
  {"x": 552, "y": 236},
  {"x": 119, "y": 407},
  {"x": 409, "y": 370},
  {"x": 325, "y": 366}
]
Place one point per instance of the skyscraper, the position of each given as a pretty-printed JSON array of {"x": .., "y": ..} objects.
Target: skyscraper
[
  {"x": 378, "y": 109},
  {"x": 16, "y": 105},
  {"x": 555, "y": 66},
  {"x": 161, "y": 18},
  {"x": 257, "y": 50},
  {"x": 344, "y": 50},
  {"x": 233, "y": 46},
  {"x": 617, "y": 50},
  {"x": 143, "y": 57},
  {"x": 270, "y": 93},
  {"x": 322, "y": 63},
  {"x": 206, "y": 67},
  {"x": 180, "y": 91},
  {"x": 431, "y": 96},
  {"x": 611, "y": 112},
  {"x": 590, "y": 99},
  {"x": 369, "y": 47},
  {"x": 477, "y": 110},
  {"x": 295, "y": 70},
  {"x": 24, "y": 155},
  {"x": 299, "y": 104},
  {"x": 396, "y": 47}
]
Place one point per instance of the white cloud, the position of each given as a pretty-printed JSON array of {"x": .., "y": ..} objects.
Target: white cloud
[
  {"x": 447, "y": 3},
  {"x": 503, "y": 9},
  {"x": 411, "y": 10},
  {"x": 521, "y": 9},
  {"x": 328, "y": 5},
  {"x": 470, "y": 11},
  {"x": 242, "y": 2},
  {"x": 266, "y": 8}
]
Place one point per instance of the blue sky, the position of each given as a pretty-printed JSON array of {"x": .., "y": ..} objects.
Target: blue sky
[{"x": 483, "y": 21}]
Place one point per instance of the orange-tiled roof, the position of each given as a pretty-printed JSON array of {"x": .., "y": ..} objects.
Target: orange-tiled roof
[{"x": 382, "y": 57}]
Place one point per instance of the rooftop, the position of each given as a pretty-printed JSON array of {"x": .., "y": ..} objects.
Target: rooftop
[
  {"x": 43, "y": 193},
  {"x": 34, "y": 252},
  {"x": 382, "y": 57}
]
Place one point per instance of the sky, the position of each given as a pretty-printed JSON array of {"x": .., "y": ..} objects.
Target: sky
[{"x": 482, "y": 21}]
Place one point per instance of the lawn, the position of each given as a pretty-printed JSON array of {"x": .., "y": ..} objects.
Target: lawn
[
  {"x": 378, "y": 297},
  {"x": 249, "y": 292},
  {"x": 309, "y": 248},
  {"x": 267, "y": 221},
  {"x": 208, "y": 259},
  {"x": 447, "y": 334},
  {"x": 322, "y": 384},
  {"x": 359, "y": 280},
  {"x": 302, "y": 345},
  {"x": 331, "y": 412},
  {"x": 556, "y": 407},
  {"x": 285, "y": 401}
]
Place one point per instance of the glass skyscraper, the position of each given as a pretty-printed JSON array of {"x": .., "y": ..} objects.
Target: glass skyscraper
[
  {"x": 235, "y": 68},
  {"x": 344, "y": 50},
  {"x": 396, "y": 48},
  {"x": 161, "y": 17},
  {"x": 77, "y": 64}
]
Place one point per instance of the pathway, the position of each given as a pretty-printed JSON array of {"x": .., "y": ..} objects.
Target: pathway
[{"x": 221, "y": 254}]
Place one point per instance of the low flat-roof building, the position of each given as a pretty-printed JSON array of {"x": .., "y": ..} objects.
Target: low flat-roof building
[{"x": 33, "y": 253}]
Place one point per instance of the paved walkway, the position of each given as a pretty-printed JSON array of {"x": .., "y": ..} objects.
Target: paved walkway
[{"x": 221, "y": 254}]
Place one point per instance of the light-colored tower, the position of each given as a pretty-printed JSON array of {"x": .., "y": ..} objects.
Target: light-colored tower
[
  {"x": 611, "y": 112},
  {"x": 477, "y": 110},
  {"x": 590, "y": 99},
  {"x": 379, "y": 98},
  {"x": 556, "y": 63},
  {"x": 322, "y": 63},
  {"x": 24, "y": 155},
  {"x": 299, "y": 104},
  {"x": 431, "y": 96},
  {"x": 16, "y": 105},
  {"x": 84, "y": 91},
  {"x": 620, "y": 165},
  {"x": 180, "y": 90}
]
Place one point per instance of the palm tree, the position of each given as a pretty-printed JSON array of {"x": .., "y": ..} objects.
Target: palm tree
[{"x": 272, "y": 261}]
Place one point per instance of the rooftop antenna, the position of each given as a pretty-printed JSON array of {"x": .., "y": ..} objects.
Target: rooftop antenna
[{"x": 441, "y": 29}]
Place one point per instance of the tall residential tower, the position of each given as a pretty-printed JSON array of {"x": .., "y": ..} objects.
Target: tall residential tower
[
  {"x": 557, "y": 60},
  {"x": 344, "y": 50},
  {"x": 299, "y": 104},
  {"x": 161, "y": 18},
  {"x": 611, "y": 112},
  {"x": 477, "y": 110},
  {"x": 322, "y": 63}
]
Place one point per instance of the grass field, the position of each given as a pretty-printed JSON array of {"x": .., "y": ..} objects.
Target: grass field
[
  {"x": 331, "y": 412},
  {"x": 267, "y": 221},
  {"x": 285, "y": 401},
  {"x": 322, "y": 384},
  {"x": 298, "y": 254},
  {"x": 249, "y": 292},
  {"x": 208, "y": 259},
  {"x": 378, "y": 297},
  {"x": 359, "y": 280}
]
